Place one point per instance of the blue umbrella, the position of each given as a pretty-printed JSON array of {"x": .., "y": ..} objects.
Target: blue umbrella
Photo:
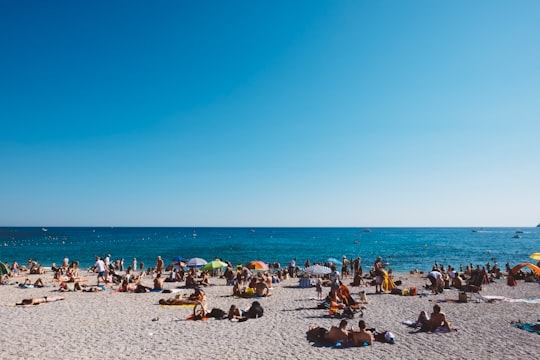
[
  {"x": 333, "y": 261},
  {"x": 178, "y": 258}
]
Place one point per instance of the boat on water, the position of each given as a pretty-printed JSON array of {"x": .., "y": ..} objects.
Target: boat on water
[
  {"x": 516, "y": 236},
  {"x": 44, "y": 229}
]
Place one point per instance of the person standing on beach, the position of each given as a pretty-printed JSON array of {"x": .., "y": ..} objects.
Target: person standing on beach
[
  {"x": 292, "y": 266},
  {"x": 378, "y": 267},
  {"x": 134, "y": 264},
  {"x": 159, "y": 265},
  {"x": 318, "y": 287},
  {"x": 100, "y": 268}
]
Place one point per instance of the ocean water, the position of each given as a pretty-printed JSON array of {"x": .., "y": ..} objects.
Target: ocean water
[{"x": 403, "y": 248}]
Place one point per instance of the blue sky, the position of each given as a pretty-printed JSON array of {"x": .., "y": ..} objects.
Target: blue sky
[{"x": 276, "y": 113}]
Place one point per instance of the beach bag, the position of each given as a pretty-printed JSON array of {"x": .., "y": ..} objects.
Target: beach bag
[{"x": 463, "y": 297}]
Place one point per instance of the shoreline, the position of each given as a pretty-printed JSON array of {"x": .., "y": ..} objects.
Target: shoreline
[{"x": 120, "y": 325}]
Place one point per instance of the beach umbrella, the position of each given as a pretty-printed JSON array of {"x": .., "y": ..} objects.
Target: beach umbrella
[
  {"x": 178, "y": 259},
  {"x": 333, "y": 261},
  {"x": 257, "y": 265},
  {"x": 317, "y": 270},
  {"x": 535, "y": 256},
  {"x": 196, "y": 262},
  {"x": 4, "y": 270},
  {"x": 213, "y": 265}
]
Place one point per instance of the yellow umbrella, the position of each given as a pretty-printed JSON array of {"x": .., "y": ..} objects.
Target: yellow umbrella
[{"x": 535, "y": 256}]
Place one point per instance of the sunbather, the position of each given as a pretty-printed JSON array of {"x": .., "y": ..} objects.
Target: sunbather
[{"x": 436, "y": 321}]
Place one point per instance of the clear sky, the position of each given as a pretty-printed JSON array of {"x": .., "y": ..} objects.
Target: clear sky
[{"x": 270, "y": 113}]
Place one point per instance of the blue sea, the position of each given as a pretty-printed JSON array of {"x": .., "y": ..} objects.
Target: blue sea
[{"x": 403, "y": 248}]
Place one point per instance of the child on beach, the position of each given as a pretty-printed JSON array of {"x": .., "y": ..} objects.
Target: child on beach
[{"x": 318, "y": 288}]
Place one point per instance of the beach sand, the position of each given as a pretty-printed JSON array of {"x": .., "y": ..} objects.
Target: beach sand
[{"x": 116, "y": 325}]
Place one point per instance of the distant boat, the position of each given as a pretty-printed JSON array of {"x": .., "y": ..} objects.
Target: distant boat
[
  {"x": 252, "y": 230},
  {"x": 367, "y": 230},
  {"x": 44, "y": 229},
  {"x": 519, "y": 231},
  {"x": 517, "y": 236}
]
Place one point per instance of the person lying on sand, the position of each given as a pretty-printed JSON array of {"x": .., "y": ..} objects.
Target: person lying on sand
[
  {"x": 235, "y": 313},
  {"x": 27, "y": 283},
  {"x": 37, "y": 301}
]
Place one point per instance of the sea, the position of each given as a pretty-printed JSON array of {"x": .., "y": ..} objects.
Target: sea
[{"x": 403, "y": 249}]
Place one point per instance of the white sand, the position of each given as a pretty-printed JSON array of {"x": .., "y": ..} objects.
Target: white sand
[{"x": 110, "y": 325}]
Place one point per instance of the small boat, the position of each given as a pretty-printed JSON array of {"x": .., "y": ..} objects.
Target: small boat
[
  {"x": 44, "y": 229},
  {"x": 517, "y": 236},
  {"x": 367, "y": 230},
  {"x": 519, "y": 231}
]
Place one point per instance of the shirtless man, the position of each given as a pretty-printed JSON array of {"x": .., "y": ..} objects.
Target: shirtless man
[
  {"x": 362, "y": 337},
  {"x": 159, "y": 265},
  {"x": 336, "y": 334},
  {"x": 437, "y": 320},
  {"x": 158, "y": 282}
]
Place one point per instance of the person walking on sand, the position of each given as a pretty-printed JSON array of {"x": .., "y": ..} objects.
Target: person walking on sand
[
  {"x": 318, "y": 287},
  {"x": 100, "y": 268}
]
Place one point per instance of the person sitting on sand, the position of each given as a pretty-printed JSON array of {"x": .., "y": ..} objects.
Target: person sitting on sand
[
  {"x": 70, "y": 285},
  {"x": 198, "y": 294},
  {"x": 205, "y": 279},
  {"x": 261, "y": 289},
  {"x": 333, "y": 299},
  {"x": 363, "y": 337},
  {"x": 158, "y": 282},
  {"x": 336, "y": 334},
  {"x": 190, "y": 280},
  {"x": 199, "y": 311},
  {"x": 237, "y": 291},
  {"x": 436, "y": 321}
]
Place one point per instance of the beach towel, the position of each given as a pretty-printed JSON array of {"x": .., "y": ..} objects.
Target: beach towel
[{"x": 531, "y": 327}]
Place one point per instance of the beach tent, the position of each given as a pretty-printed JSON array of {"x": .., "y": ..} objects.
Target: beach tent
[
  {"x": 535, "y": 268},
  {"x": 4, "y": 270}
]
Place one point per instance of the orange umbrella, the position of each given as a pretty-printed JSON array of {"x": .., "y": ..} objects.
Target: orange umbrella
[{"x": 257, "y": 265}]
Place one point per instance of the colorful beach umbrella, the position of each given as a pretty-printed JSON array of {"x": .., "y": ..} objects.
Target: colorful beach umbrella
[
  {"x": 213, "y": 265},
  {"x": 178, "y": 259},
  {"x": 257, "y": 265},
  {"x": 196, "y": 262},
  {"x": 317, "y": 270},
  {"x": 535, "y": 256}
]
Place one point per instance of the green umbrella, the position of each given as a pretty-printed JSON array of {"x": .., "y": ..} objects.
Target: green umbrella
[
  {"x": 4, "y": 270},
  {"x": 213, "y": 265}
]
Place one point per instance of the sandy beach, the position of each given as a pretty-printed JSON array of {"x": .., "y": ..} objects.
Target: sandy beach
[{"x": 113, "y": 325}]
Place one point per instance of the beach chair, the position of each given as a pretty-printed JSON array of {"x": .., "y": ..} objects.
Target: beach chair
[{"x": 474, "y": 284}]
